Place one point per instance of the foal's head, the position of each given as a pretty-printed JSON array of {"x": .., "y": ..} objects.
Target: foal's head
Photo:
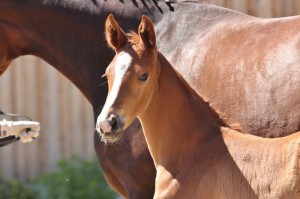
[{"x": 132, "y": 77}]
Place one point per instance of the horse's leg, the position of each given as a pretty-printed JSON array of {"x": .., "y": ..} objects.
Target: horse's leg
[{"x": 130, "y": 172}]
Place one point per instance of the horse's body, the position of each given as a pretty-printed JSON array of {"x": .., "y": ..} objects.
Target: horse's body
[
  {"x": 245, "y": 58},
  {"x": 69, "y": 35},
  {"x": 194, "y": 154}
]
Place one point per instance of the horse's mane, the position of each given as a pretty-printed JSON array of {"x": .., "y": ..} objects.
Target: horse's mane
[{"x": 133, "y": 38}]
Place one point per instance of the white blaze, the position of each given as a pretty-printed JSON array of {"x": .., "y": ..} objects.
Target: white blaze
[{"x": 123, "y": 62}]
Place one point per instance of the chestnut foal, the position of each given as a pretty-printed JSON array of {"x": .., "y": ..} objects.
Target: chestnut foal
[{"x": 195, "y": 154}]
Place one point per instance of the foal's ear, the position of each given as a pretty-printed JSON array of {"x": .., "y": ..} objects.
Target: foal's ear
[
  {"x": 147, "y": 33},
  {"x": 115, "y": 36}
]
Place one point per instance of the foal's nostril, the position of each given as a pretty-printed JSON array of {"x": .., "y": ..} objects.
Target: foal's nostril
[
  {"x": 109, "y": 125},
  {"x": 114, "y": 123},
  {"x": 113, "y": 120}
]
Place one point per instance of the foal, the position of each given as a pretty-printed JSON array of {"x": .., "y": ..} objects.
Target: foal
[{"x": 195, "y": 155}]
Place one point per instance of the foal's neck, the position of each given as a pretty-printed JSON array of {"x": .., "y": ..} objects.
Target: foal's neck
[{"x": 177, "y": 117}]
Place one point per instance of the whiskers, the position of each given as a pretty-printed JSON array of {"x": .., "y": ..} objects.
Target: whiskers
[
  {"x": 101, "y": 138},
  {"x": 103, "y": 84},
  {"x": 120, "y": 144},
  {"x": 98, "y": 111},
  {"x": 103, "y": 76}
]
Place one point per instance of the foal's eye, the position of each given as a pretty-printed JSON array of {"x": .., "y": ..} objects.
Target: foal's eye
[{"x": 143, "y": 77}]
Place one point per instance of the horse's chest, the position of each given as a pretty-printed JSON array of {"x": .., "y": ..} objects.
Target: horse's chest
[
  {"x": 179, "y": 185},
  {"x": 167, "y": 185}
]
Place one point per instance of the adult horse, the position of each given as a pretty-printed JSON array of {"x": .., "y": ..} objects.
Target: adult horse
[
  {"x": 224, "y": 47},
  {"x": 195, "y": 154}
]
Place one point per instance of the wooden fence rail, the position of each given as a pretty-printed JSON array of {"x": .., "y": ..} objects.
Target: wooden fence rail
[{"x": 32, "y": 87}]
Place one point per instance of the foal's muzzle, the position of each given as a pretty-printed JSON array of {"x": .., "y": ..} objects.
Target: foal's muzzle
[{"x": 110, "y": 128}]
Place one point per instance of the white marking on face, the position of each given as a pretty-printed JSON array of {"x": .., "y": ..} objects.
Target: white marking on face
[{"x": 122, "y": 64}]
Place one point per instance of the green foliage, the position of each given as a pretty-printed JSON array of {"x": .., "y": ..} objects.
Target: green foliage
[
  {"x": 75, "y": 179},
  {"x": 14, "y": 189}
]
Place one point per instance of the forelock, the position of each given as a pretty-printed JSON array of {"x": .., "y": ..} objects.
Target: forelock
[{"x": 133, "y": 38}]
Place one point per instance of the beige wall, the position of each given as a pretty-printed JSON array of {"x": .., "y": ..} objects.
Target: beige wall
[{"x": 34, "y": 88}]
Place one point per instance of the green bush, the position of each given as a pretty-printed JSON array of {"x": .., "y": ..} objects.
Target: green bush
[
  {"x": 14, "y": 189},
  {"x": 75, "y": 179}
]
